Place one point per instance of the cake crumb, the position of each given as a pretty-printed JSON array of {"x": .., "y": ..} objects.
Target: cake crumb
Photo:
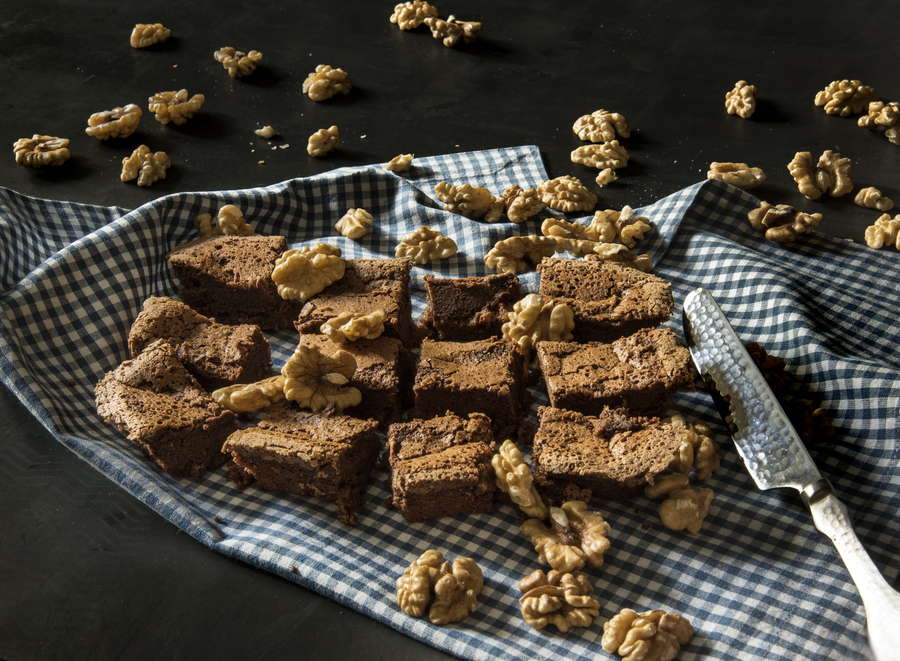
[
  {"x": 218, "y": 519},
  {"x": 293, "y": 569}
]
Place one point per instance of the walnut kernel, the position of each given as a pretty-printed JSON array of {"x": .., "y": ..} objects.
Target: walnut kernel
[
  {"x": 355, "y": 224},
  {"x": 400, "y": 163},
  {"x": 455, "y": 588},
  {"x": 323, "y": 141},
  {"x": 229, "y": 221},
  {"x": 513, "y": 476},
  {"x": 607, "y": 155},
  {"x": 521, "y": 204},
  {"x": 566, "y": 194},
  {"x": 533, "y": 321},
  {"x": 884, "y": 232},
  {"x": 518, "y": 254},
  {"x": 871, "y": 198},
  {"x": 881, "y": 114},
  {"x": 251, "y": 397},
  {"x": 325, "y": 82},
  {"x": 409, "y": 15},
  {"x": 698, "y": 451},
  {"x": 741, "y": 101},
  {"x": 560, "y": 599},
  {"x": 40, "y": 150},
  {"x": 115, "y": 123},
  {"x": 314, "y": 380},
  {"x": 352, "y": 326},
  {"x": 619, "y": 254},
  {"x": 783, "y": 223},
  {"x": 649, "y": 636},
  {"x": 606, "y": 176},
  {"x": 473, "y": 202},
  {"x": 601, "y": 126},
  {"x": 686, "y": 509},
  {"x": 831, "y": 175},
  {"x": 666, "y": 485},
  {"x": 145, "y": 166},
  {"x": 425, "y": 244},
  {"x": 740, "y": 175},
  {"x": 576, "y": 537},
  {"x": 236, "y": 63},
  {"x": 266, "y": 132},
  {"x": 175, "y": 107},
  {"x": 303, "y": 273},
  {"x": 846, "y": 97},
  {"x": 145, "y": 35},
  {"x": 452, "y": 31}
]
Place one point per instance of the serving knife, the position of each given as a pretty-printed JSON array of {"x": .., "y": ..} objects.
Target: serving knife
[{"x": 776, "y": 457}]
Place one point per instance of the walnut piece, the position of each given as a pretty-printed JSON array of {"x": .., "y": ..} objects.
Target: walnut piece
[
  {"x": 601, "y": 126},
  {"x": 783, "y": 223},
  {"x": 566, "y": 194},
  {"x": 846, "y": 97},
  {"x": 40, "y": 150},
  {"x": 741, "y": 101},
  {"x": 560, "y": 599},
  {"x": 314, "y": 380},
  {"x": 115, "y": 123},
  {"x": 473, "y": 202},
  {"x": 229, "y": 221},
  {"x": 619, "y": 254},
  {"x": 607, "y": 155},
  {"x": 830, "y": 175},
  {"x": 175, "y": 107},
  {"x": 606, "y": 176},
  {"x": 409, "y": 15},
  {"x": 576, "y": 537},
  {"x": 323, "y": 141},
  {"x": 355, "y": 224},
  {"x": 871, "y": 198},
  {"x": 698, "y": 451},
  {"x": 513, "y": 476},
  {"x": 740, "y": 175},
  {"x": 884, "y": 232},
  {"x": 455, "y": 588},
  {"x": 399, "y": 163},
  {"x": 236, "y": 63},
  {"x": 521, "y": 204},
  {"x": 251, "y": 397},
  {"x": 424, "y": 245},
  {"x": 145, "y": 35},
  {"x": 686, "y": 509},
  {"x": 266, "y": 132},
  {"x": 533, "y": 321},
  {"x": 881, "y": 114},
  {"x": 325, "y": 82},
  {"x": 601, "y": 228},
  {"x": 649, "y": 636},
  {"x": 518, "y": 254},
  {"x": 666, "y": 485},
  {"x": 303, "y": 273},
  {"x": 145, "y": 166},
  {"x": 452, "y": 31},
  {"x": 352, "y": 326}
]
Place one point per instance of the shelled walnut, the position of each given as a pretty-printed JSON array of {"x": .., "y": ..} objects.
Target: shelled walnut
[
  {"x": 871, "y": 198},
  {"x": 400, "y": 163},
  {"x": 566, "y": 194},
  {"x": 266, "y": 132},
  {"x": 513, "y": 476},
  {"x": 355, "y": 224},
  {"x": 424, "y": 245},
  {"x": 145, "y": 166},
  {"x": 518, "y": 254},
  {"x": 314, "y": 379},
  {"x": 229, "y": 221},
  {"x": 605, "y": 177},
  {"x": 352, "y": 326},
  {"x": 698, "y": 451},
  {"x": 740, "y": 175},
  {"x": 454, "y": 587},
  {"x": 409, "y": 15},
  {"x": 532, "y": 321},
  {"x": 116, "y": 123},
  {"x": 884, "y": 232},
  {"x": 783, "y": 223},
  {"x": 619, "y": 254},
  {"x": 609, "y": 226},
  {"x": 576, "y": 537},
  {"x": 236, "y": 63},
  {"x": 145, "y": 35},
  {"x": 563, "y": 600},
  {"x": 452, "y": 31},
  {"x": 649, "y": 636},
  {"x": 666, "y": 485},
  {"x": 832, "y": 174},
  {"x": 607, "y": 155},
  {"x": 601, "y": 126},
  {"x": 685, "y": 509},
  {"x": 323, "y": 141},
  {"x": 473, "y": 202},
  {"x": 741, "y": 101},
  {"x": 251, "y": 397},
  {"x": 880, "y": 114},
  {"x": 325, "y": 82},
  {"x": 521, "y": 204},
  {"x": 846, "y": 97},
  {"x": 40, "y": 150},
  {"x": 175, "y": 107},
  {"x": 301, "y": 274}
]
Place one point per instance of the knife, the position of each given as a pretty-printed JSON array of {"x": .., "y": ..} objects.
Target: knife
[{"x": 776, "y": 457}]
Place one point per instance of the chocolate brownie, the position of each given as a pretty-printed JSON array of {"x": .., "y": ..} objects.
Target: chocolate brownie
[
  {"x": 640, "y": 372},
  {"x": 367, "y": 285},
  {"x": 487, "y": 376},
  {"x": 230, "y": 278},
  {"x": 327, "y": 455},
  {"x": 384, "y": 370},
  {"x": 442, "y": 466},
  {"x": 216, "y": 354},
  {"x": 611, "y": 455},
  {"x": 161, "y": 407},
  {"x": 609, "y": 300},
  {"x": 463, "y": 309}
]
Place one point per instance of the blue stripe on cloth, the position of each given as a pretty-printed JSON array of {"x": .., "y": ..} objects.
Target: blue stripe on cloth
[{"x": 758, "y": 582}]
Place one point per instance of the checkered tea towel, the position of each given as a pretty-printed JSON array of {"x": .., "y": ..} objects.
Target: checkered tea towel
[{"x": 757, "y": 582}]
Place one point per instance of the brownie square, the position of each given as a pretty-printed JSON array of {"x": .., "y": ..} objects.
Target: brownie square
[
  {"x": 327, "y": 455},
  {"x": 486, "y": 376},
  {"x": 442, "y": 466},
  {"x": 463, "y": 309},
  {"x": 384, "y": 370},
  {"x": 367, "y": 285},
  {"x": 640, "y": 372},
  {"x": 161, "y": 407},
  {"x": 609, "y": 300},
  {"x": 230, "y": 278},
  {"x": 216, "y": 354},
  {"x": 612, "y": 455}
]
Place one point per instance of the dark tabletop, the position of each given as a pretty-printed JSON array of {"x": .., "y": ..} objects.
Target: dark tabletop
[{"x": 87, "y": 571}]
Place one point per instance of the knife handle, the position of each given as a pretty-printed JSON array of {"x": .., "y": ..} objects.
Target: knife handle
[{"x": 881, "y": 601}]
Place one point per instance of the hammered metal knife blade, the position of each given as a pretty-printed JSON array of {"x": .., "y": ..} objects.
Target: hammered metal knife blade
[{"x": 776, "y": 457}]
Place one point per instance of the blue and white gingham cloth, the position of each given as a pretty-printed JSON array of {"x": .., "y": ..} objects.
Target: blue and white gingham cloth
[{"x": 757, "y": 582}]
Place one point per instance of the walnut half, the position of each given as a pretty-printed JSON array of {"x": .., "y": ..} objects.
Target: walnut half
[
  {"x": 740, "y": 175},
  {"x": 518, "y": 254},
  {"x": 832, "y": 174},
  {"x": 601, "y": 126},
  {"x": 741, "y": 101},
  {"x": 846, "y": 97},
  {"x": 352, "y": 326},
  {"x": 513, "y": 476},
  {"x": 251, "y": 397},
  {"x": 325, "y": 82},
  {"x": 116, "y": 123},
  {"x": 236, "y": 63},
  {"x": 566, "y": 194},
  {"x": 884, "y": 232},
  {"x": 473, "y": 202},
  {"x": 533, "y": 321},
  {"x": 424, "y": 245},
  {"x": 454, "y": 587},
  {"x": 303, "y": 273},
  {"x": 649, "y": 636},
  {"x": 685, "y": 509},
  {"x": 409, "y": 15},
  {"x": 145, "y": 166},
  {"x": 40, "y": 150},
  {"x": 698, "y": 451},
  {"x": 323, "y": 141},
  {"x": 175, "y": 107},
  {"x": 871, "y": 198},
  {"x": 607, "y": 155},
  {"x": 314, "y": 380},
  {"x": 576, "y": 537},
  {"x": 783, "y": 223},
  {"x": 145, "y": 35},
  {"x": 452, "y": 31},
  {"x": 561, "y": 599},
  {"x": 229, "y": 221},
  {"x": 355, "y": 224},
  {"x": 400, "y": 163}
]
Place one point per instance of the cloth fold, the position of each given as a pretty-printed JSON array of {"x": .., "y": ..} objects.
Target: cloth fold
[{"x": 757, "y": 582}]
